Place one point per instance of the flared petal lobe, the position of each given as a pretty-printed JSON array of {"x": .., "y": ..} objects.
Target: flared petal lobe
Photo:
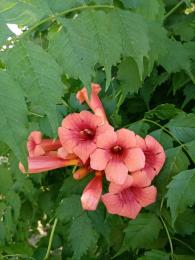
[
  {"x": 37, "y": 146},
  {"x": 154, "y": 155},
  {"x": 92, "y": 193},
  {"x": 127, "y": 200}
]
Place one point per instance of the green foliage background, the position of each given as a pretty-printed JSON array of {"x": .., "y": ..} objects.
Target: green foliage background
[{"x": 143, "y": 55}]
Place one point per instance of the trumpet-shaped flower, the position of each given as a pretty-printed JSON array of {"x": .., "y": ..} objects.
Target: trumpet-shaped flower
[
  {"x": 127, "y": 200},
  {"x": 155, "y": 157},
  {"x": 117, "y": 154},
  {"x": 37, "y": 146},
  {"x": 93, "y": 102},
  {"x": 38, "y": 164},
  {"x": 92, "y": 193},
  {"x": 79, "y": 132}
]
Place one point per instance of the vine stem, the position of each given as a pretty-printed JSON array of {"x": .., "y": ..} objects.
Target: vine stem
[
  {"x": 168, "y": 235},
  {"x": 173, "y": 9},
  {"x": 53, "y": 17},
  {"x": 169, "y": 132},
  {"x": 51, "y": 239}
]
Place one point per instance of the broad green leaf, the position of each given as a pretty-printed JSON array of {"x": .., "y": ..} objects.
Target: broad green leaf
[
  {"x": 183, "y": 127},
  {"x": 69, "y": 208},
  {"x": 185, "y": 223},
  {"x": 40, "y": 77},
  {"x": 183, "y": 26},
  {"x": 176, "y": 58},
  {"x": 142, "y": 231},
  {"x": 87, "y": 40},
  {"x": 181, "y": 193},
  {"x": 5, "y": 180},
  {"x": 163, "y": 112},
  {"x": 128, "y": 75},
  {"x": 154, "y": 254},
  {"x": 82, "y": 235},
  {"x": 24, "y": 13},
  {"x": 176, "y": 161},
  {"x": 13, "y": 113},
  {"x": 150, "y": 9}
]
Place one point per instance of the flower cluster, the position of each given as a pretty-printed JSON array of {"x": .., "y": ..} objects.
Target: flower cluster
[{"x": 87, "y": 140}]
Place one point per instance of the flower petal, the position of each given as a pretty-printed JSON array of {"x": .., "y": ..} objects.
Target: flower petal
[
  {"x": 99, "y": 159},
  {"x": 126, "y": 138},
  {"x": 68, "y": 139},
  {"x": 116, "y": 188},
  {"x": 92, "y": 193},
  {"x": 140, "y": 179},
  {"x": 84, "y": 149},
  {"x": 155, "y": 155},
  {"x": 134, "y": 159},
  {"x": 72, "y": 121},
  {"x": 116, "y": 171},
  {"x": 145, "y": 196},
  {"x": 123, "y": 205},
  {"x": 107, "y": 139}
]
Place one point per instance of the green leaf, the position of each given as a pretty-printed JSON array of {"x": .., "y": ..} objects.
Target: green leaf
[
  {"x": 185, "y": 223},
  {"x": 176, "y": 161},
  {"x": 128, "y": 75},
  {"x": 13, "y": 115},
  {"x": 139, "y": 127},
  {"x": 163, "y": 112},
  {"x": 82, "y": 235},
  {"x": 183, "y": 127},
  {"x": 181, "y": 193},
  {"x": 58, "y": 5},
  {"x": 191, "y": 149},
  {"x": 176, "y": 58},
  {"x": 142, "y": 231},
  {"x": 150, "y": 9},
  {"x": 5, "y": 180},
  {"x": 40, "y": 77},
  {"x": 69, "y": 208},
  {"x": 24, "y": 12},
  {"x": 154, "y": 254},
  {"x": 87, "y": 40},
  {"x": 189, "y": 92}
]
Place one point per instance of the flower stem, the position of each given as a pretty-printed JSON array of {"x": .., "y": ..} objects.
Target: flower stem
[
  {"x": 51, "y": 239},
  {"x": 173, "y": 9},
  {"x": 184, "y": 244},
  {"x": 54, "y": 16},
  {"x": 168, "y": 235}
]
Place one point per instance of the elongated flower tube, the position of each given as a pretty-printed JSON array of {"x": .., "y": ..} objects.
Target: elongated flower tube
[
  {"x": 117, "y": 154},
  {"x": 92, "y": 193},
  {"x": 38, "y": 164},
  {"x": 37, "y": 146},
  {"x": 127, "y": 200},
  {"x": 93, "y": 101},
  {"x": 79, "y": 132}
]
